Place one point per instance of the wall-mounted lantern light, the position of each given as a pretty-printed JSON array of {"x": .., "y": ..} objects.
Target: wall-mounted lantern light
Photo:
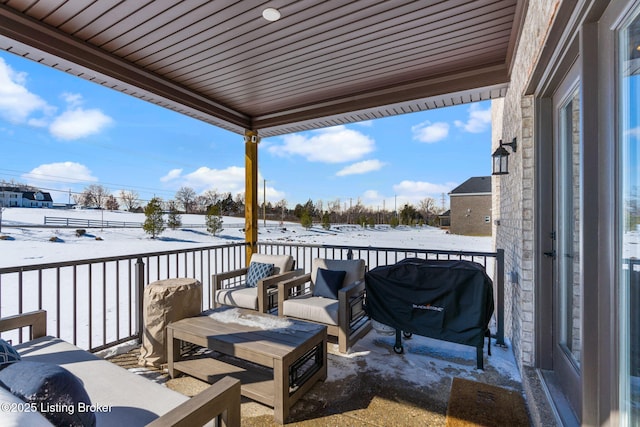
[{"x": 501, "y": 158}]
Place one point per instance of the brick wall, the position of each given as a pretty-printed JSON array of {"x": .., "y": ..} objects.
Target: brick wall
[
  {"x": 469, "y": 213},
  {"x": 513, "y": 204}
]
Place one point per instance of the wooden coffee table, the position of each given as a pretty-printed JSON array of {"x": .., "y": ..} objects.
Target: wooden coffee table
[{"x": 295, "y": 355}]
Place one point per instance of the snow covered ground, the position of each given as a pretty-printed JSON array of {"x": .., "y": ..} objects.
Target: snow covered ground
[
  {"x": 424, "y": 359},
  {"x": 27, "y": 245}
]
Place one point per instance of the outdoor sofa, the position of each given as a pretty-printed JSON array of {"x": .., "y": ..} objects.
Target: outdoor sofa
[{"x": 120, "y": 397}]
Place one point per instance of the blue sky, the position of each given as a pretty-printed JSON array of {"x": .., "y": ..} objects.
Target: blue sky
[{"x": 61, "y": 132}]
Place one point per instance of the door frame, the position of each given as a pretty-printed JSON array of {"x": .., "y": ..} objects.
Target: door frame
[
  {"x": 568, "y": 374},
  {"x": 589, "y": 35}
]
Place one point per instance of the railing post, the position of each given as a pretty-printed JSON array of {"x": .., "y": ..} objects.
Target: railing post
[
  {"x": 349, "y": 254},
  {"x": 500, "y": 297},
  {"x": 140, "y": 294}
]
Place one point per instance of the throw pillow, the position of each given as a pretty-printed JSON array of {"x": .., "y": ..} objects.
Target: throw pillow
[
  {"x": 328, "y": 283},
  {"x": 58, "y": 393},
  {"x": 257, "y": 271},
  {"x": 8, "y": 354}
]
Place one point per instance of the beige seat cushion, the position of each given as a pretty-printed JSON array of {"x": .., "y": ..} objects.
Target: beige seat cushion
[
  {"x": 133, "y": 400},
  {"x": 281, "y": 263},
  {"x": 316, "y": 309},
  {"x": 239, "y": 296},
  {"x": 353, "y": 267}
]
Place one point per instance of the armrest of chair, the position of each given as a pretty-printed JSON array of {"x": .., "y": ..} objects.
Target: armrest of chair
[
  {"x": 217, "y": 279},
  {"x": 349, "y": 291},
  {"x": 285, "y": 287},
  {"x": 222, "y": 399},
  {"x": 349, "y": 297},
  {"x": 353, "y": 320},
  {"x": 271, "y": 283},
  {"x": 37, "y": 320}
]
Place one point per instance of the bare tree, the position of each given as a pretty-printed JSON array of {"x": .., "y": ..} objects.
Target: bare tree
[
  {"x": 100, "y": 194},
  {"x": 130, "y": 199},
  {"x": 200, "y": 204},
  {"x": 428, "y": 209},
  {"x": 111, "y": 203},
  {"x": 239, "y": 201},
  {"x": 281, "y": 206},
  {"x": 83, "y": 199},
  {"x": 212, "y": 197},
  {"x": 94, "y": 195},
  {"x": 187, "y": 197}
]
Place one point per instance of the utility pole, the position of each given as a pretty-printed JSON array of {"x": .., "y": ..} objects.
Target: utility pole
[
  {"x": 395, "y": 204},
  {"x": 383, "y": 211},
  {"x": 264, "y": 202}
]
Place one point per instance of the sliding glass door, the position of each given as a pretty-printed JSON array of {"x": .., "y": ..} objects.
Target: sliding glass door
[{"x": 628, "y": 70}]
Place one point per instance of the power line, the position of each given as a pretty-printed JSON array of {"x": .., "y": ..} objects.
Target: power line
[{"x": 71, "y": 181}]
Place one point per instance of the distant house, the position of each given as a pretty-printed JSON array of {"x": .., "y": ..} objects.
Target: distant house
[
  {"x": 445, "y": 219},
  {"x": 471, "y": 207},
  {"x": 16, "y": 197}
]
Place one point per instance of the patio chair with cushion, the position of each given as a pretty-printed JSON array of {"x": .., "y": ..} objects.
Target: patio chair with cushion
[
  {"x": 332, "y": 295},
  {"x": 257, "y": 290}
]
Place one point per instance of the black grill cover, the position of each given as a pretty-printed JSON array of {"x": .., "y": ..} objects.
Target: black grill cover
[{"x": 447, "y": 300}]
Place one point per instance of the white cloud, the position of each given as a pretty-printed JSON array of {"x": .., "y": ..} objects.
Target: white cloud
[
  {"x": 273, "y": 195},
  {"x": 361, "y": 167},
  {"x": 229, "y": 180},
  {"x": 173, "y": 174},
  {"x": 52, "y": 174},
  {"x": 72, "y": 99},
  {"x": 18, "y": 105},
  {"x": 373, "y": 199},
  {"x": 79, "y": 123},
  {"x": 415, "y": 191},
  {"x": 479, "y": 120},
  {"x": 365, "y": 123},
  {"x": 635, "y": 132},
  {"x": 16, "y": 102},
  {"x": 430, "y": 132},
  {"x": 332, "y": 145},
  {"x": 371, "y": 195}
]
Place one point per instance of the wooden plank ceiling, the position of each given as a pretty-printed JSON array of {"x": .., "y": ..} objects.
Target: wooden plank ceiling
[{"x": 323, "y": 63}]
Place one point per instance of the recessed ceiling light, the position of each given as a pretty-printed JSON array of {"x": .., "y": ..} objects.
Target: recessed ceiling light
[{"x": 271, "y": 14}]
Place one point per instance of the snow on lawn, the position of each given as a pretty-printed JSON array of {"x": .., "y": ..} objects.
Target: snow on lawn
[
  {"x": 25, "y": 245},
  {"x": 424, "y": 359}
]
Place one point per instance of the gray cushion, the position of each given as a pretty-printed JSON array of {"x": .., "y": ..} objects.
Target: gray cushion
[
  {"x": 316, "y": 309},
  {"x": 328, "y": 282},
  {"x": 238, "y": 296},
  {"x": 59, "y": 395}
]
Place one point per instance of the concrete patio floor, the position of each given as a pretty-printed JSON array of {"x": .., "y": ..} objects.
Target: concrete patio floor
[{"x": 372, "y": 385}]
